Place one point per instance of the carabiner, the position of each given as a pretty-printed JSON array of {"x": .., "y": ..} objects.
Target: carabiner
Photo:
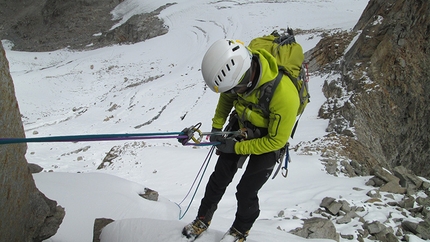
[
  {"x": 284, "y": 172},
  {"x": 189, "y": 132},
  {"x": 198, "y": 139}
]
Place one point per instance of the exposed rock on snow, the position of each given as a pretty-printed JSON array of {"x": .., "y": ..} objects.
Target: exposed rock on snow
[
  {"x": 317, "y": 228},
  {"x": 409, "y": 205}
]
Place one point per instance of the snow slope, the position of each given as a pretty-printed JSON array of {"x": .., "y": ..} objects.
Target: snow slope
[{"x": 156, "y": 86}]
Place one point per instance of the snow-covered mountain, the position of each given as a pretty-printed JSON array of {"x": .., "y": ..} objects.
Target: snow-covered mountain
[{"x": 156, "y": 86}]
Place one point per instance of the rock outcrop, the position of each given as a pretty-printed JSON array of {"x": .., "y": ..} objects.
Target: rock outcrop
[
  {"x": 404, "y": 195},
  {"x": 46, "y": 25},
  {"x": 26, "y": 213},
  {"x": 317, "y": 228},
  {"x": 379, "y": 101}
]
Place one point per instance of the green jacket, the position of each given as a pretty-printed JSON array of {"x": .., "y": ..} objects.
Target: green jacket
[{"x": 283, "y": 109}]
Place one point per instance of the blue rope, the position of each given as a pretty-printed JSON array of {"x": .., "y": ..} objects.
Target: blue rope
[
  {"x": 93, "y": 137},
  {"x": 203, "y": 167},
  {"x": 104, "y": 137}
]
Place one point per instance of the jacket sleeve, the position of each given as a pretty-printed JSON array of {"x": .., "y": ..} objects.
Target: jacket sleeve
[
  {"x": 225, "y": 104},
  {"x": 283, "y": 110}
]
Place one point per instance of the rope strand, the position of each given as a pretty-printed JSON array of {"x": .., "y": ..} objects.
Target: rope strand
[
  {"x": 93, "y": 137},
  {"x": 205, "y": 165}
]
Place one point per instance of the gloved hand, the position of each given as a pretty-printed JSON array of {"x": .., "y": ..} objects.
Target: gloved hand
[
  {"x": 215, "y": 137},
  {"x": 227, "y": 145}
]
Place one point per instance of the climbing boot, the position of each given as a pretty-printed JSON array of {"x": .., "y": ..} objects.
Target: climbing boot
[
  {"x": 233, "y": 235},
  {"x": 195, "y": 228}
]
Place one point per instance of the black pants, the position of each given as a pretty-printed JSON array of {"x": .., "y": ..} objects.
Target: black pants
[{"x": 256, "y": 174}]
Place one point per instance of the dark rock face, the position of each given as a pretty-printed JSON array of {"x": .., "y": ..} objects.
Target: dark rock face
[
  {"x": 385, "y": 74},
  {"x": 25, "y": 213},
  {"x": 394, "y": 119},
  {"x": 46, "y": 25}
]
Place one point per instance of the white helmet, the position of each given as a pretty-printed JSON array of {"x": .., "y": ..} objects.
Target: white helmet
[{"x": 224, "y": 64}]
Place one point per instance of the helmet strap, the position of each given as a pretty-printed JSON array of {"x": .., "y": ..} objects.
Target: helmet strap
[{"x": 254, "y": 74}]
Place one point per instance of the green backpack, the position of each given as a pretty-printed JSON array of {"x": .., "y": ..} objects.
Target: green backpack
[{"x": 290, "y": 59}]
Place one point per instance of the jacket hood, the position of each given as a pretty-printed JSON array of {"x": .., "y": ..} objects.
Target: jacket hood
[{"x": 268, "y": 67}]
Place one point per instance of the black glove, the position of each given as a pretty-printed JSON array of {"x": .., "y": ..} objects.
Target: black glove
[
  {"x": 215, "y": 137},
  {"x": 227, "y": 145}
]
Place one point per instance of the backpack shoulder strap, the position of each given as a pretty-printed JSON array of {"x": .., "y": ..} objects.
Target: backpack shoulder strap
[
  {"x": 301, "y": 90},
  {"x": 268, "y": 89},
  {"x": 293, "y": 79},
  {"x": 266, "y": 93}
]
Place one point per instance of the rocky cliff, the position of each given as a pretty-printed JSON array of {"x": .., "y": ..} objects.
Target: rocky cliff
[
  {"x": 46, "y": 25},
  {"x": 26, "y": 213},
  {"x": 379, "y": 102}
]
